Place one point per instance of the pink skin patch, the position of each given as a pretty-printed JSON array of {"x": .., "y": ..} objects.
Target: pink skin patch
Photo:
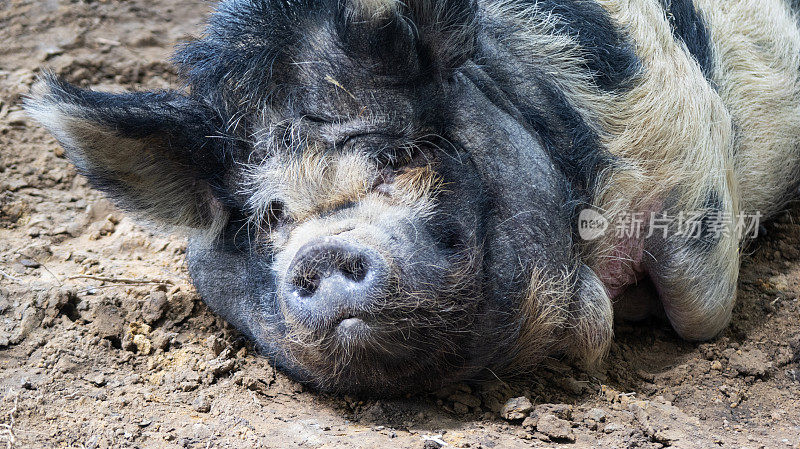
[{"x": 621, "y": 266}]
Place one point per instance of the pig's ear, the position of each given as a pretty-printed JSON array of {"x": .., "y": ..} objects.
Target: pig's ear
[
  {"x": 444, "y": 29},
  {"x": 150, "y": 152}
]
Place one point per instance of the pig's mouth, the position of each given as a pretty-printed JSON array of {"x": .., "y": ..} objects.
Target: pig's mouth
[
  {"x": 408, "y": 339},
  {"x": 379, "y": 358}
]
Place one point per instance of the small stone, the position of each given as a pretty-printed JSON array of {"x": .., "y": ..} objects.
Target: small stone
[
  {"x": 525, "y": 435},
  {"x": 215, "y": 344},
  {"x": 716, "y": 365},
  {"x": 555, "y": 428},
  {"x": 163, "y": 340},
  {"x": 186, "y": 380},
  {"x": 563, "y": 411},
  {"x": 466, "y": 399},
  {"x": 136, "y": 338},
  {"x": 460, "y": 408},
  {"x": 596, "y": 414},
  {"x": 143, "y": 344},
  {"x": 252, "y": 384},
  {"x": 530, "y": 422},
  {"x": 31, "y": 319},
  {"x": 221, "y": 367},
  {"x": 97, "y": 379},
  {"x": 201, "y": 404},
  {"x": 154, "y": 306},
  {"x": 17, "y": 118},
  {"x": 750, "y": 363},
  {"x": 431, "y": 444},
  {"x": 108, "y": 321},
  {"x": 26, "y": 384},
  {"x": 516, "y": 408},
  {"x": 29, "y": 263}
]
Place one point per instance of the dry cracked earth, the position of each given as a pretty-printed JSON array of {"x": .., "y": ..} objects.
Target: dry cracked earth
[{"x": 104, "y": 342}]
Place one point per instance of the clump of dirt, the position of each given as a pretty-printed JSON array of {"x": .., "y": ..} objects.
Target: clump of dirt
[{"x": 104, "y": 342}]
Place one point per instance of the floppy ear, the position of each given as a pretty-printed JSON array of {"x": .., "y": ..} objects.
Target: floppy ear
[
  {"x": 149, "y": 152},
  {"x": 446, "y": 29}
]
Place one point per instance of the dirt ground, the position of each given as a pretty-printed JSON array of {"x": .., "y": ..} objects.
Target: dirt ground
[{"x": 89, "y": 358}]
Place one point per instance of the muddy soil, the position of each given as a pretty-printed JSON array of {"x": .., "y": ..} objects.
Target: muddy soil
[{"x": 104, "y": 342}]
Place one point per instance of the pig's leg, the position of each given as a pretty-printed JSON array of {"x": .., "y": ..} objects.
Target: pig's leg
[
  {"x": 695, "y": 278},
  {"x": 591, "y": 318}
]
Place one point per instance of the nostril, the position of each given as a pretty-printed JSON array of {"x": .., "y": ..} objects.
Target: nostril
[
  {"x": 306, "y": 285},
  {"x": 451, "y": 240},
  {"x": 354, "y": 269},
  {"x": 306, "y": 282}
]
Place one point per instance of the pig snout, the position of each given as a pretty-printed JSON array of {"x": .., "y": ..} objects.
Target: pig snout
[{"x": 332, "y": 283}]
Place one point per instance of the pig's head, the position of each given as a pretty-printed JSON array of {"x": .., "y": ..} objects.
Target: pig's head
[{"x": 362, "y": 201}]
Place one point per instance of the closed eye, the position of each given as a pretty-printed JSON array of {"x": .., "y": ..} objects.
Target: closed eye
[
  {"x": 317, "y": 119},
  {"x": 396, "y": 158},
  {"x": 348, "y": 139}
]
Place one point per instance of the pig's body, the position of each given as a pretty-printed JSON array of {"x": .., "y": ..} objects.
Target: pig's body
[{"x": 385, "y": 196}]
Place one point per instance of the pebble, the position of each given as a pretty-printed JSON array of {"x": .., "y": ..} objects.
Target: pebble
[
  {"x": 143, "y": 344},
  {"x": 750, "y": 363},
  {"x": 596, "y": 414},
  {"x": 516, "y": 408},
  {"x": 29, "y": 263},
  {"x": 97, "y": 379},
  {"x": 563, "y": 411},
  {"x": 555, "y": 428},
  {"x": 163, "y": 340},
  {"x": 221, "y": 367},
  {"x": 466, "y": 399},
  {"x": 201, "y": 404},
  {"x": 215, "y": 344},
  {"x": 530, "y": 422},
  {"x": 17, "y": 118},
  {"x": 136, "y": 339},
  {"x": 154, "y": 307}
]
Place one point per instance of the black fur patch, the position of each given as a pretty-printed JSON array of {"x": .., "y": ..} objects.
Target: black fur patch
[
  {"x": 572, "y": 143},
  {"x": 690, "y": 28},
  {"x": 609, "y": 53},
  {"x": 252, "y": 48},
  {"x": 708, "y": 233}
]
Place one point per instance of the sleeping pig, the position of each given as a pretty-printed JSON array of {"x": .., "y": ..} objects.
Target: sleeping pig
[{"x": 392, "y": 195}]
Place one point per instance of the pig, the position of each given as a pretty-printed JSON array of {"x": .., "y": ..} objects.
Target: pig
[{"x": 387, "y": 196}]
